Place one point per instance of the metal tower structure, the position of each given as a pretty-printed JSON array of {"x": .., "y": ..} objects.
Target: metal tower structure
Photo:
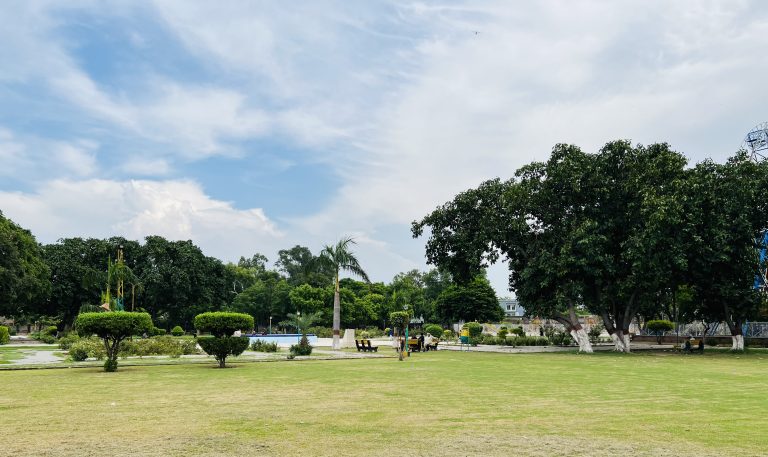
[
  {"x": 756, "y": 143},
  {"x": 120, "y": 302}
]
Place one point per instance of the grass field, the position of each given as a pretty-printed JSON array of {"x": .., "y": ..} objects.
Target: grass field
[{"x": 444, "y": 403}]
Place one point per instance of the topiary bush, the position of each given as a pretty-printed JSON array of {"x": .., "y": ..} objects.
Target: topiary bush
[
  {"x": 659, "y": 327},
  {"x": 222, "y": 325},
  {"x": 156, "y": 331},
  {"x": 51, "y": 330},
  {"x": 448, "y": 335},
  {"x": 113, "y": 327},
  {"x": 5, "y": 335},
  {"x": 518, "y": 331},
  {"x": 434, "y": 330},
  {"x": 502, "y": 333},
  {"x": 221, "y": 347},
  {"x": 263, "y": 346},
  {"x": 177, "y": 331},
  {"x": 303, "y": 348}
]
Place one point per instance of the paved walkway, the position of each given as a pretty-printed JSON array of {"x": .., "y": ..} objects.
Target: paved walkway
[{"x": 33, "y": 357}]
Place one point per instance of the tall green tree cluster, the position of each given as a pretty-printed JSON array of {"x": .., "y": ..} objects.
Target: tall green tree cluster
[{"x": 619, "y": 233}]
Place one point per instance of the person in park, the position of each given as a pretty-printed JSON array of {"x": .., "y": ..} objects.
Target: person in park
[{"x": 421, "y": 342}]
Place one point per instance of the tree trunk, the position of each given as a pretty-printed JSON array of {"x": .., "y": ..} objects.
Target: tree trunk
[
  {"x": 582, "y": 339},
  {"x": 738, "y": 342},
  {"x": 620, "y": 340},
  {"x": 336, "y": 317}
]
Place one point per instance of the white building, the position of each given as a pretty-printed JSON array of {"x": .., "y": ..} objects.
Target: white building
[{"x": 511, "y": 307}]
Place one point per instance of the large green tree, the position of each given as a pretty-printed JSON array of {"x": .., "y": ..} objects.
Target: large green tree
[
  {"x": 24, "y": 276},
  {"x": 339, "y": 257},
  {"x": 728, "y": 209},
  {"x": 302, "y": 267},
  {"x": 472, "y": 301},
  {"x": 268, "y": 297}
]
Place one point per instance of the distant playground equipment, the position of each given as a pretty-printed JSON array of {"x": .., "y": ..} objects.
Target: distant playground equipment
[{"x": 756, "y": 143}]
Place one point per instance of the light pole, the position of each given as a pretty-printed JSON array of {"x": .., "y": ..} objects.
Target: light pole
[
  {"x": 407, "y": 324},
  {"x": 270, "y": 325}
]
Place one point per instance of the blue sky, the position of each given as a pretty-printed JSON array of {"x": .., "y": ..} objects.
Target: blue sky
[{"x": 253, "y": 126}]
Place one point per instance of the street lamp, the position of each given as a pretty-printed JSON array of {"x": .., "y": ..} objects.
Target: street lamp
[{"x": 270, "y": 325}]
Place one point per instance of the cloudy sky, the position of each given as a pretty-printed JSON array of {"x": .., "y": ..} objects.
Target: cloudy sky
[{"x": 252, "y": 126}]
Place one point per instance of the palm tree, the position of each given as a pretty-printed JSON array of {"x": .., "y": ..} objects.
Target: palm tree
[
  {"x": 340, "y": 257},
  {"x": 302, "y": 323}
]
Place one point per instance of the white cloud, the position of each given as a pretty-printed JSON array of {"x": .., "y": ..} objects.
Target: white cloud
[
  {"x": 135, "y": 209},
  {"x": 78, "y": 158}
]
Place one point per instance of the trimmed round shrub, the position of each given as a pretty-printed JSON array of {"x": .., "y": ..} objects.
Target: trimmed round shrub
[
  {"x": 659, "y": 327},
  {"x": 222, "y": 347},
  {"x": 220, "y": 323},
  {"x": 5, "y": 335},
  {"x": 502, "y": 333},
  {"x": 156, "y": 331},
  {"x": 51, "y": 330},
  {"x": 113, "y": 327},
  {"x": 447, "y": 335},
  {"x": 434, "y": 330},
  {"x": 177, "y": 331}
]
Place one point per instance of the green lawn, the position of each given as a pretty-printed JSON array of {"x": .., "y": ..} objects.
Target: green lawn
[{"x": 444, "y": 403}]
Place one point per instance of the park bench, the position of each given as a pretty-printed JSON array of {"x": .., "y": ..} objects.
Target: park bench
[
  {"x": 431, "y": 347},
  {"x": 360, "y": 347},
  {"x": 369, "y": 347}
]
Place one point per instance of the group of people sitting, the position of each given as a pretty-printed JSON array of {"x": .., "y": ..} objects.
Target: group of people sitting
[{"x": 422, "y": 343}]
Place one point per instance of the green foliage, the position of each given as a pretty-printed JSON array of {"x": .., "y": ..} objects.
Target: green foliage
[
  {"x": 560, "y": 338},
  {"x": 224, "y": 346},
  {"x": 24, "y": 276},
  {"x": 222, "y": 324},
  {"x": 475, "y": 300},
  {"x": 303, "y": 348},
  {"x": 518, "y": 331},
  {"x": 434, "y": 330},
  {"x": 594, "y": 332},
  {"x": 263, "y": 346},
  {"x": 51, "y": 330},
  {"x": 66, "y": 341},
  {"x": 502, "y": 333},
  {"x": 156, "y": 331},
  {"x": 662, "y": 326},
  {"x": 113, "y": 327},
  {"x": 475, "y": 329},
  {"x": 400, "y": 320},
  {"x": 301, "y": 322},
  {"x": 177, "y": 331},
  {"x": 321, "y": 332},
  {"x": 87, "y": 348},
  {"x": 113, "y": 324},
  {"x": 448, "y": 335},
  {"x": 5, "y": 335},
  {"x": 158, "y": 345}
]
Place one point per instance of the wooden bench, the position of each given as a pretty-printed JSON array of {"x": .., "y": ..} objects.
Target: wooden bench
[{"x": 365, "y": 346}]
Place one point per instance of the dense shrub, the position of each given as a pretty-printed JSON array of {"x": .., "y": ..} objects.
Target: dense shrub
[
  {"x": 263, "y": 346},
  {"x": 321, "y": 332},
  {"x": 374, "y": 332},
  {"x": 475, "y": 329},
  {"x": 47, "y": 338},
  {"x": 222, "y": 347},
  {"x": 365, "y": 335},
  {"x": 5, "y": 335},
  {"x": 51, "y": 330},
  {"x": 502, "y": 333},
  {"x": 158, "y": 345},
  {"x": 156, "y": 331},
  {"x": 113, "y": 327},
  {"x": 559, "y": 338},
  {"x": 448, "y": 335},
  {"x": 518, "y": 331},
  {"x": 12, "y": 331},
  {"x": 594, "y": 333},
  {"x": 434, "y": 330},
  {"x": 66, "y": 341},
  {"x": 303, "y": 348},
  {"x": 177, "y": 331},
  {"x": 220, "y": 323},
  {"x": 529, "y": 341},
  {"x": 85, "y": 348}
]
